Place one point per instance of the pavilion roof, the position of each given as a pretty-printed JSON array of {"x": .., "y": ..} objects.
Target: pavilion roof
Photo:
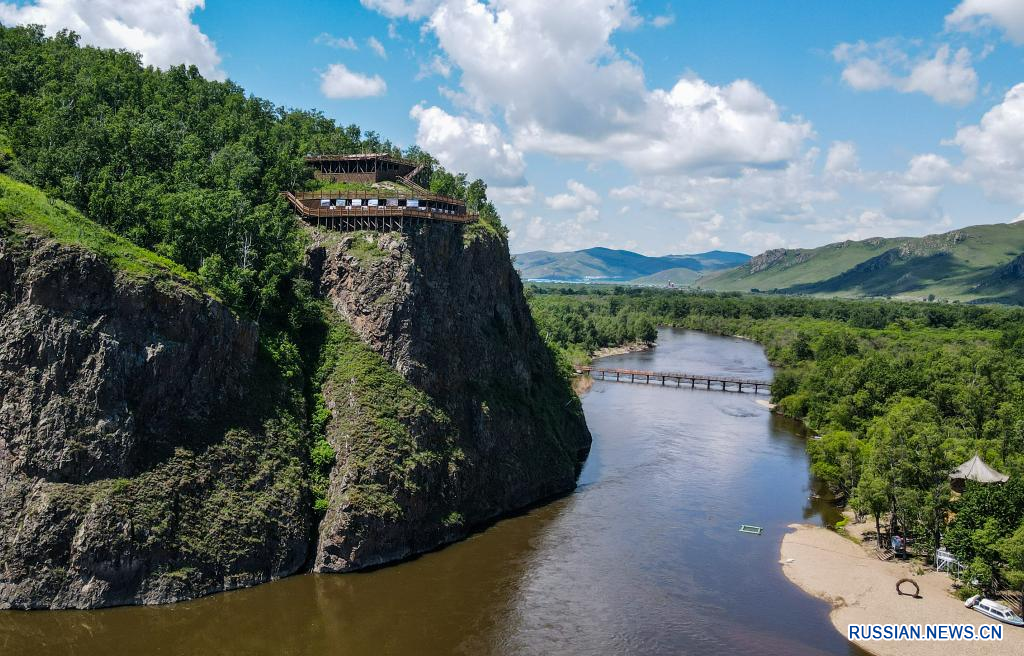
[{"x": 975, "y": 469}]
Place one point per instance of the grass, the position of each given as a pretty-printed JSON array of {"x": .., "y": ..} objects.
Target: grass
[
  {"x": 481, "y": 228},
  {"x": 385, "y": 424},
  {"x": 364, "y": 246},
  {"x": 387, "y": 186},
  {"x": 677, "y": 276},
  {"x": 947, "y": 265},
  {"x": 25, "y": 211}
]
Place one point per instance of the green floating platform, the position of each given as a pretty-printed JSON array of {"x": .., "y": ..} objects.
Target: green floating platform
[{"x": 747, "y": 528}]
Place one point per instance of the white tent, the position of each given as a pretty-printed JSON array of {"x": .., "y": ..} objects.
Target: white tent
[{"x": 975, "y": 469}]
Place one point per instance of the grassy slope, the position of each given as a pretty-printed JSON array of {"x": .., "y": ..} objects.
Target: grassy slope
[
  {"x": 25, "y": 210},
  {"x": 678, "y": 276},
  {"x": 822, "y": 270},
  {"x": 363, "y": 187}
]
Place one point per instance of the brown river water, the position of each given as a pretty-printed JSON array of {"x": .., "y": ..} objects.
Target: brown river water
[{"x": 643, "y": 558}]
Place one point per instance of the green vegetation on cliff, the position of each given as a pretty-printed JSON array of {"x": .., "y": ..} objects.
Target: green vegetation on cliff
[
  {"x": 900, "y": 394},
  {"x": 381, "y": 419},
  {"x": 25, "y": 210}
]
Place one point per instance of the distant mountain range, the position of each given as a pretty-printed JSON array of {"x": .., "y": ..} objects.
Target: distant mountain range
[
  {"x": 609, "y": 265},
  {"x": 981, "y": 263}
]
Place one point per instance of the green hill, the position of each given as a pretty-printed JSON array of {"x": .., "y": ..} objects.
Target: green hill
[
  {"x": 610, "y": 265},
  {"x": 679, "y": 276},
  {"x": 969, "y": 264}
]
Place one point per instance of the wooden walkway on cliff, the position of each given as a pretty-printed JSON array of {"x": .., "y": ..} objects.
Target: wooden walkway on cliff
[
  {"x": 382, "y": 217},
  {"x": 721, "y": 383}
]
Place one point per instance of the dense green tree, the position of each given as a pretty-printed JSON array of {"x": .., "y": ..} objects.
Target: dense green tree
[
  {"x": 185, "y": 166},
  {"x": 837, "y": 459},
  {"x": 900, "y": 392},
  {"x": 1011, "y": 548}
]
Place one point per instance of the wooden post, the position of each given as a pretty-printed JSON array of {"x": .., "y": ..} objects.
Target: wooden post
[{"x": 709, "y": 383}]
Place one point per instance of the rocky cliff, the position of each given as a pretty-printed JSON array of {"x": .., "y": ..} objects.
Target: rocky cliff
[
  {"x": 447, "y": 409},
  {"x": 135, "y": 466},
  {"x": 154, "y": 447}
]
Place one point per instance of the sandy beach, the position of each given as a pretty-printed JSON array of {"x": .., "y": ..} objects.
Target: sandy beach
[
  {"x": 862, "y": 590},
  {"x": 634, "y": 347}
]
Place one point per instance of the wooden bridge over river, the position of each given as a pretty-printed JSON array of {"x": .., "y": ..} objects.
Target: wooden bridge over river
[{"x": 720, "y": 383}]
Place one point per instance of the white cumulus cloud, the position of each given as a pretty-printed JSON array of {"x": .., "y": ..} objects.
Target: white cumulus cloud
[
  {"x": 461, "y": 144},
  {"x": 412, "y": 9},
  {"x": 842, "y": 162},
  {"x": 339, "y": 82},
  {"x": 947, "y": 77},
  {"x": 994, "y": 148},
  {"x": 521, "y": 195},
  {"x": 578, "y": 196},
  {"x": 377, "y": 47},
  {"x": 1008, "y": 15},
  {"x": 161, "y": 31},
  {"x": 564, "y": 89},
  {"x": 340, "y": 42},
  {"x": 760, "y": 241}
]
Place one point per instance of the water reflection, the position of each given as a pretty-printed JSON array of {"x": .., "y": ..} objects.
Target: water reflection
[{"x": 645, "y": 557}]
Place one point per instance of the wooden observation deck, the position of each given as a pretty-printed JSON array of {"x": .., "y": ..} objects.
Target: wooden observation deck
[
  {"x": 374, "y": 209},
  {"x": 385, "y": 214}
]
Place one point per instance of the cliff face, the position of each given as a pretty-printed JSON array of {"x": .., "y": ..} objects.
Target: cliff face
[
  {"x": 126, "y": 473},
  {"x": 150, "y": 451},
  {"x": 467, "y": 408}
]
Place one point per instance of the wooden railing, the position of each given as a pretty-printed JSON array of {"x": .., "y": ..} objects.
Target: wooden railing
[
  {"x": 381, "y": 194},
  {"x": 376, "y": 211},
  {"x": 706, "y": 380}
]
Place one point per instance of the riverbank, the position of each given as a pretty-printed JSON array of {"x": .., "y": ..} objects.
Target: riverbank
[
  {"x": 622, "y": 349},
  {"x": 862, "y": 590},
  {"x": 582, "y": 384}
]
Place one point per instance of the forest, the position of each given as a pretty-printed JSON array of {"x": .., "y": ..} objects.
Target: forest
[
  {"x": 898, "y": 393},
  {"x": 192, "y": 170},
  {"x": 187, "y": 167}
]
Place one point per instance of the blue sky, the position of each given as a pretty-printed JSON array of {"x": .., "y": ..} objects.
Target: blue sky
[{"x": 655, "y": 126}]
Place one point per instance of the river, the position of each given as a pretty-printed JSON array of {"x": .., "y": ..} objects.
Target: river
[{"x": 643, "y": 558}]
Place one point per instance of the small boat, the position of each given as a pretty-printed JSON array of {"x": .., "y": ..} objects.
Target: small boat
[
  {"x": 994, "y": 609},
  {"x": 747, "y": 528}
]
